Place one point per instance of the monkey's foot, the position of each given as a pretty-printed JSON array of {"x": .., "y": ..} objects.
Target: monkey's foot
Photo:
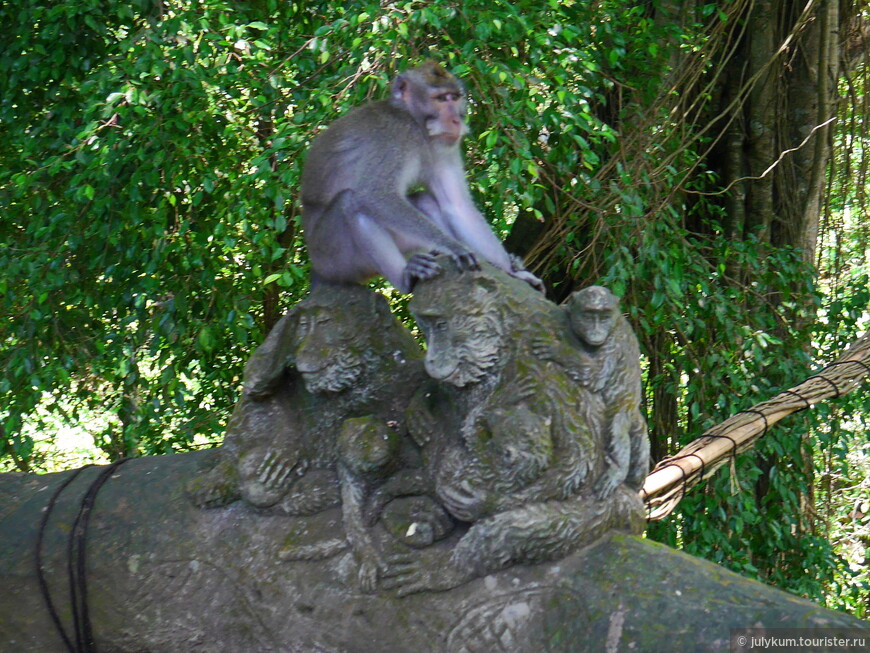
[
  {"x": 372, "y": 565},
  {"x": 408, "y": 574},
  {"x": 215, "y": 488},
  {"x": 264, "y": 482},
  {"x": 529, "y": 278},
  {"x": 419, "y": 268},
  {"x": 314, "y": 492}
]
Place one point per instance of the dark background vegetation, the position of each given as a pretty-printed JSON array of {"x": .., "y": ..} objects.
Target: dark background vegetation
[{"x": 705, "y": 161}]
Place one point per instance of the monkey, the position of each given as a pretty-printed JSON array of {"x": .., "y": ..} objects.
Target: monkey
[
  {"x": 604, "y": 360},
  {"x": 384, "y": 189}
]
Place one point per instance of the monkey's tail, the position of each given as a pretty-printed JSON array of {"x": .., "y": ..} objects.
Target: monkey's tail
[{"x": 319, "y": 551}]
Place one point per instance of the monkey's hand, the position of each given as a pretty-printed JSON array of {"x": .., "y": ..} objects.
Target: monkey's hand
[
  {"x": 522, "y": 388},
  {"x": 465, "y": 260},
  {"x": 419, "y": 268},
  {"x": 263, "y": 482},
  {"x": 410, "y": 574},
  {"x": 274, "y": 472},
  {"x": 544, "y": 349},
  {"x": 465, "y": 501},
  {"x": 368, "y": 576},
  {"x": 607, "y": 483},
  {"x": 421, "y": 425}
]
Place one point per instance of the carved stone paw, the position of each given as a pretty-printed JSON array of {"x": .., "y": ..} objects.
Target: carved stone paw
[
  {"x": 367, "y": 576},
  {"x": 409, "y": 574},
  {"x": 265, "y": 480},
  {"x": 421, "y": 425},
  {"x": 523, "y": 388},
  {"x": 463, "y": 500},
  {"x": 404, "y": 574},
  {"x": 605, "y": 485},
  {"x": 543, "y": 349},
  {"x": 315, "y": 491},
  {"x": 274, "y": 472},
  {"x": 583, "y": 375}
]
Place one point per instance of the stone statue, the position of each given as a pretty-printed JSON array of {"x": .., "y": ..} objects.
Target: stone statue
[
  {"x": 321, "y": 418},
  {"x": 603, "y": 356},
  {"x": 511, "y": 446},
  {"x": 509, "y": 451},
  {"x": 358, "y": 476}
]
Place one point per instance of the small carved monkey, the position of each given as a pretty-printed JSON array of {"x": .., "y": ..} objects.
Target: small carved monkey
[
  {"x": 363, "y": 211},
  {"x": 606, "y": 361}
]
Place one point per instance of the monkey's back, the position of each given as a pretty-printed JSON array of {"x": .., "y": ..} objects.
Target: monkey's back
[{"x": 374, "y": 146}]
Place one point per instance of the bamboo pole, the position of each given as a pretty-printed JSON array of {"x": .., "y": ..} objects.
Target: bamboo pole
[{"x": 671, "y": 478}]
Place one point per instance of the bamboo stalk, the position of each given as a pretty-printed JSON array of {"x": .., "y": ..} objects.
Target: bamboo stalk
[{"x": 671, "y": 478}]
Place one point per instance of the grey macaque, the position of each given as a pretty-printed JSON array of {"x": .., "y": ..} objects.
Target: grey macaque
[{"x": 384, "y": 189}]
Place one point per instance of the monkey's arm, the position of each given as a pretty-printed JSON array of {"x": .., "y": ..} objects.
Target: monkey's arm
[
  {"x": 639, "y": 464},
  {"x": 529, "y": 534},
  {"x": 266, "y": 367},
  {"x": 447, "y": 184},
  {"x": 463, "y": 220},
  {"x": 549, "y": 349},
  {"x": 622, "y": 392},
  {"x": 366, "y": 450},
  {"x": 617, "y": 455},
  {"x": 353, "y": 498}
]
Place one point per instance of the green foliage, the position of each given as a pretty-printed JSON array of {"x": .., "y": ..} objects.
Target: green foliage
[{"x": 156, "y": 152}]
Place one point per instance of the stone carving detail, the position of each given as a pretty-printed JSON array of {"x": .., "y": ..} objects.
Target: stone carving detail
[
  {"x": 353, "y": 464},
  {"x": 509, "y": 622},
  {"x": 603, "y": 357},
  {"x": 511, "y": 445},
  {"x": 517, "y": 439},
  {"x": 321, "y": 418}
]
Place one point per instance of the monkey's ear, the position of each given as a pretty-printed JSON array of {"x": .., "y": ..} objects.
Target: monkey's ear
[{"x": 400, "y": 87}]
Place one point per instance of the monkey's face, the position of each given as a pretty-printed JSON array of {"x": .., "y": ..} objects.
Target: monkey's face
[
  {"x": 446, "y": 120},
  {"x": 460, "y": 348},
  {"x": 436, "y": 99},
  {"x": 593, "y": 312},
  {"x": 326, "y": 354},
  {"x": 593, "y": 326}
]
